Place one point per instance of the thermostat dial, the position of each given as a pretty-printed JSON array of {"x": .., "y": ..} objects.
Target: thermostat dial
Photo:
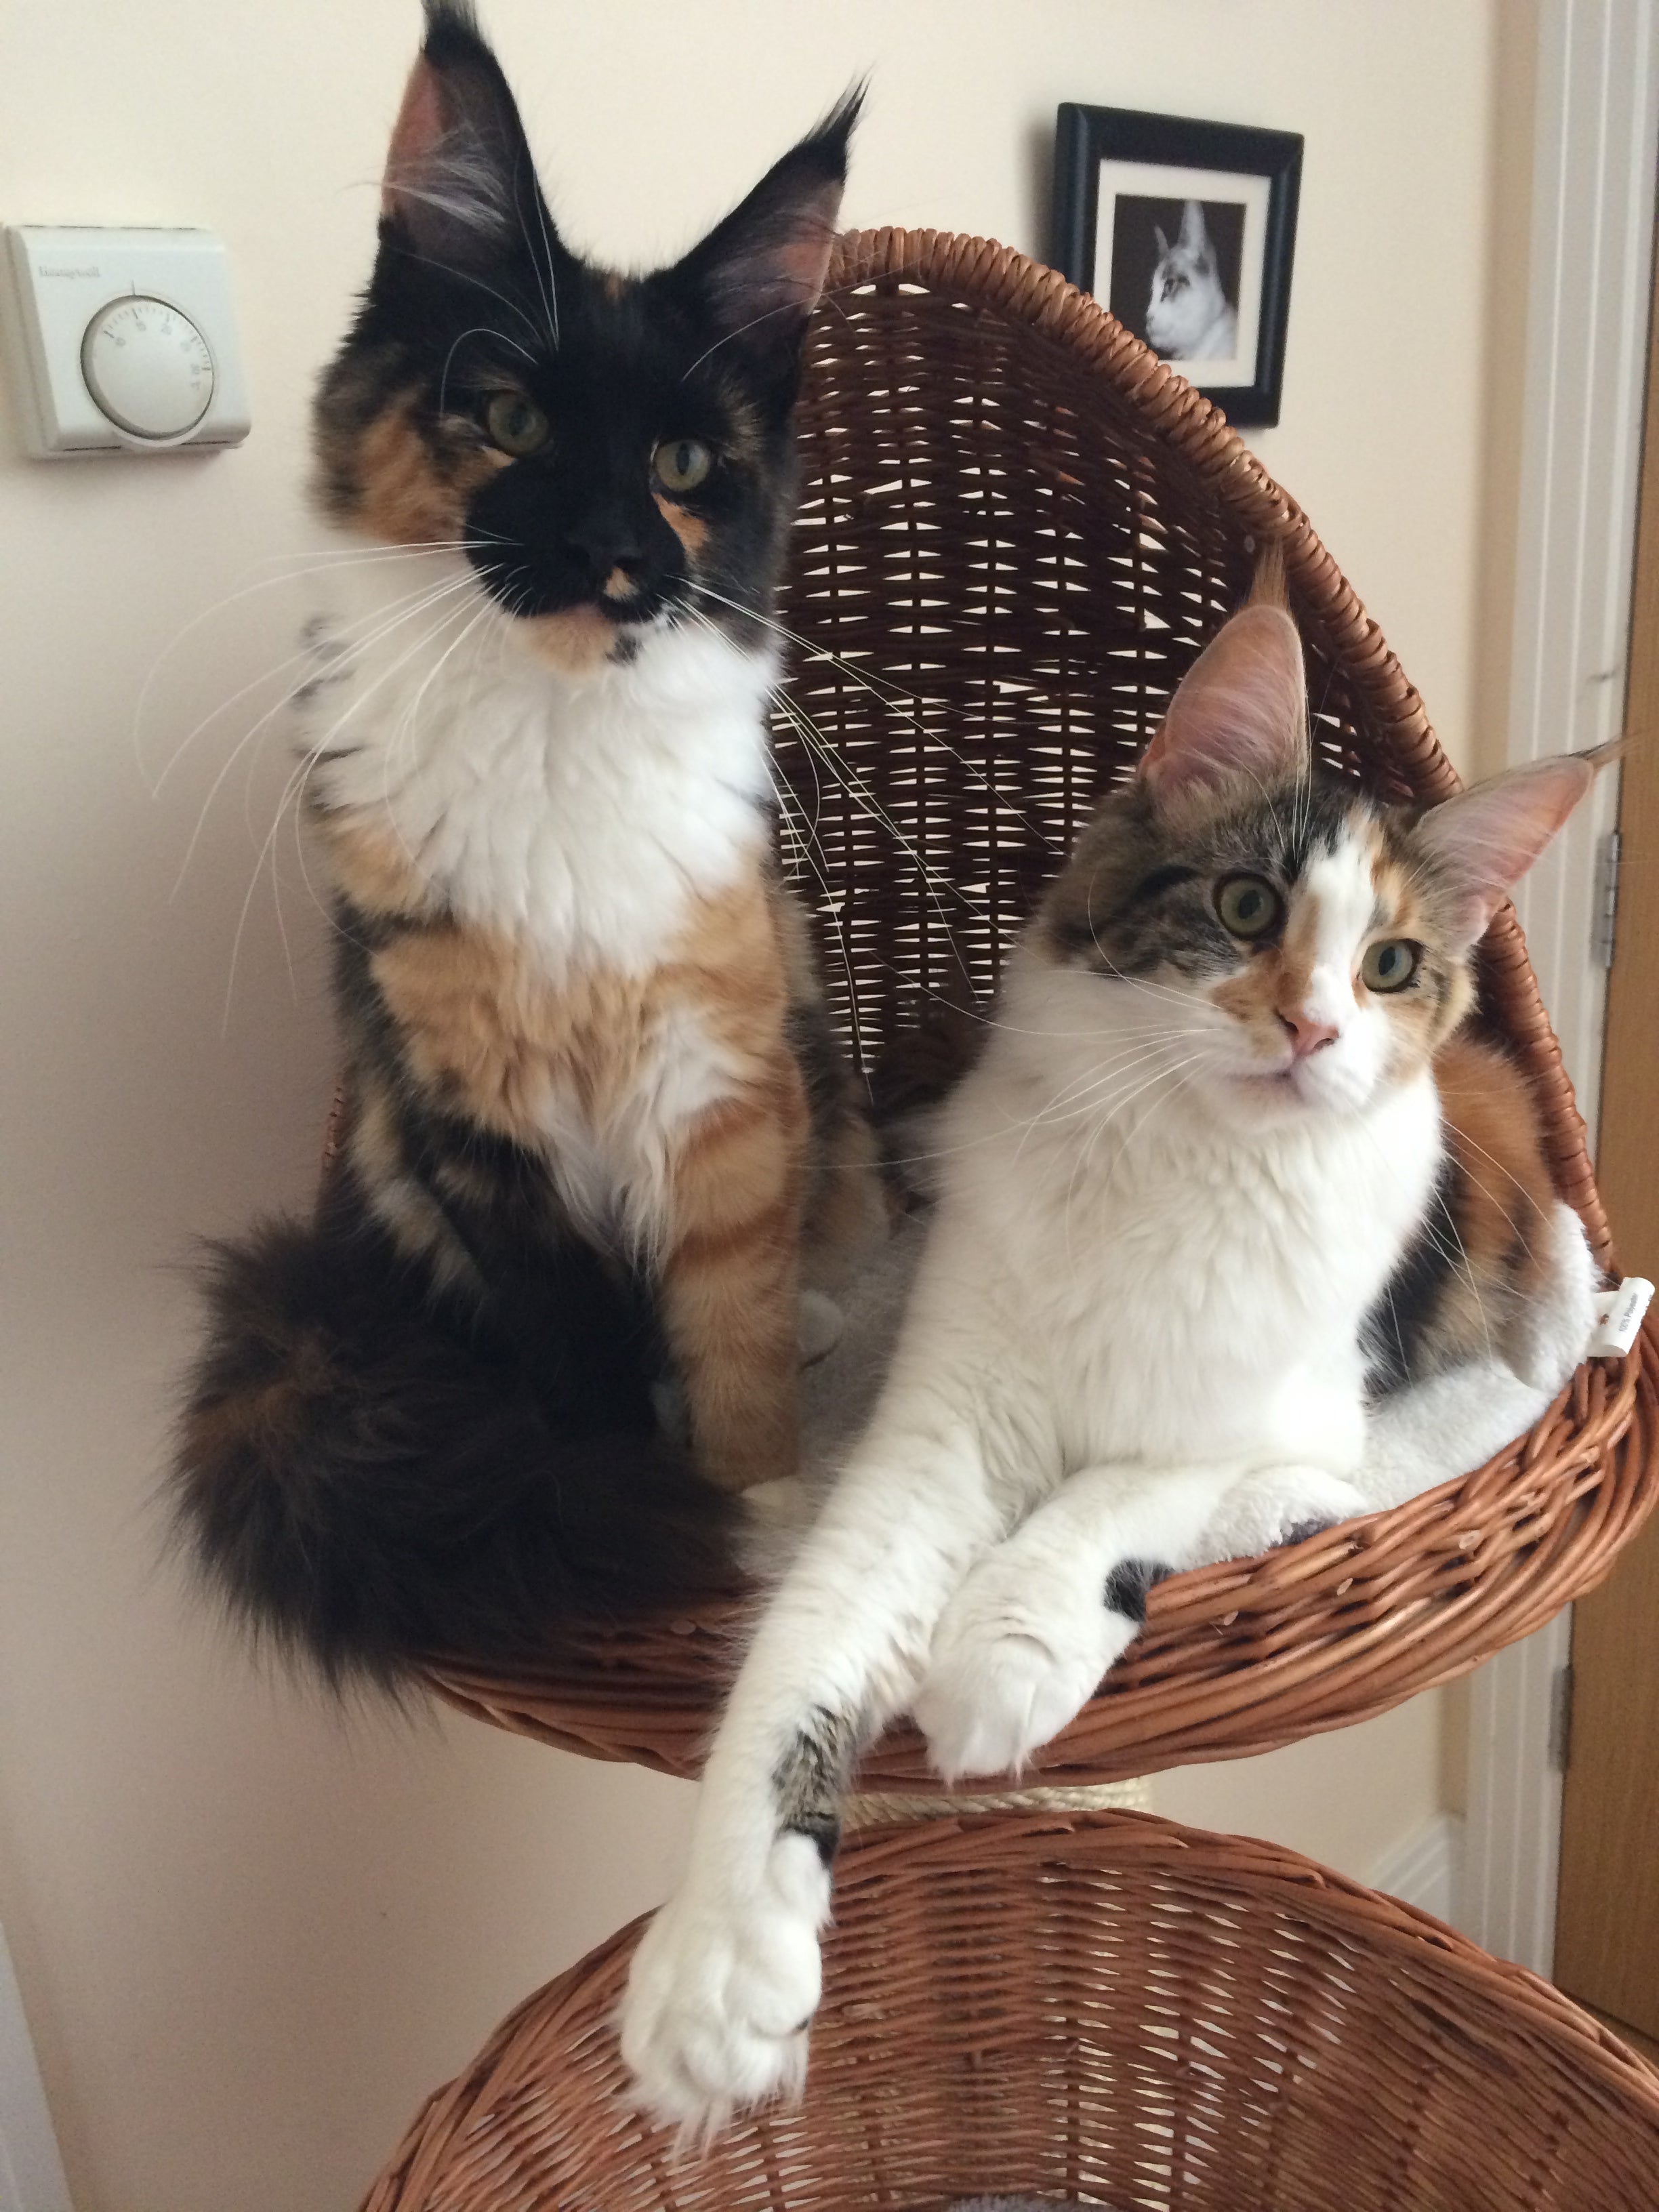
[{"x": 147, "y": 368}]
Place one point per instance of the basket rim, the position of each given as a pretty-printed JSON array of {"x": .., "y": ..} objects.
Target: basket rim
[{"x": 1495, "y": 1516}]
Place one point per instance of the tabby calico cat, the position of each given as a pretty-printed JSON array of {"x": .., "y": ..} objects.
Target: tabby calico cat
[
  {"x": 596, "y": 1117},
  {"x": 1197, "y": 1184}
]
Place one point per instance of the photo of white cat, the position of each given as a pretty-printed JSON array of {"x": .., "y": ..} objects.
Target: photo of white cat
[
  {"x": 1178, "y": 259},
  {"x": 1186, "y": 230},
  {"x": 1192, "y": 312}
]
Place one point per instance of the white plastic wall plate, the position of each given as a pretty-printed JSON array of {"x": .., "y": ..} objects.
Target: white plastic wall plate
[{"x": 138, "y": 320}]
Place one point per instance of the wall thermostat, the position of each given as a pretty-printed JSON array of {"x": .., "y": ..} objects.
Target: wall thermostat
[{"x": 122, "y": 341}]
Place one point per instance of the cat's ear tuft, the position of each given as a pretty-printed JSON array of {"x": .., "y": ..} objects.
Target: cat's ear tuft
[
  {"x": 1482, "y": 842},
  {"x": 461, "y": 184},
  {"x": 1163, "y": 242},
  {"x": 1194, "y": 237},
  {"x": 760, "y": 272},
  {"x": 1241, "y": 709}
]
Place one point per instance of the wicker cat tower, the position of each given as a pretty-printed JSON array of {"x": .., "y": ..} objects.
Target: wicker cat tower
[
  {"x": 1018, "y": 530},
  {"x": 1102, "y": 2008}
]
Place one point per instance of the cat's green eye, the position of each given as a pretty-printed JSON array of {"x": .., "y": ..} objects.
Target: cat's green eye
[
  {"x": 682, "y": 464},
  {"x": 1390, "y": 966},
  {"x": 1248, "y": 905},
  {"x": 516, "y": 425}
]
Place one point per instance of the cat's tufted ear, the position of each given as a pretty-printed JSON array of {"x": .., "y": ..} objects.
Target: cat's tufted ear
[
  {"x": 460, "y": 185},
  {"x": 1482, "y": 842},
  {"x": 1241, "y": 709},
  {"x": 761, "y": 271},
  {"x": 1194, "y": 235}
]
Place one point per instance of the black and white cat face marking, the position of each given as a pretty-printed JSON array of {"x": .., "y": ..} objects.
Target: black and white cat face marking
[{"x": 610, "y": 450}]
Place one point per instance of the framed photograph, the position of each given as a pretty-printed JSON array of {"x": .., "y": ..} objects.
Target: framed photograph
[{"x": 1185, "y": 230}]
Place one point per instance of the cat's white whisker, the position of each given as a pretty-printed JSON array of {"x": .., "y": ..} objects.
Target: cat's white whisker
[
  {"x": 477, "y": 330},
  {"x": 886, "y": 692},
  {"x": 844, "y": 774},
  {"x": 251, "y": 735},
  {"x": 303, "y": 653},
  {"x": 311, "y": 756},
  {"x": 547, "y": 276},
  {"x": 290, "y": 790},
  {"x": 1085, "y": 1087}
]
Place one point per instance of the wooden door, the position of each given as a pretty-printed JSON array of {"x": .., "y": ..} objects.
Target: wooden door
[{"x": 1606, "y": 1947}]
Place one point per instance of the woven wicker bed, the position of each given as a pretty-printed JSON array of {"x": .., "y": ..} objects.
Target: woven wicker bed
[
  {"x": 1017, "y": 529},
  {"x": 1104, "y": 2007}
]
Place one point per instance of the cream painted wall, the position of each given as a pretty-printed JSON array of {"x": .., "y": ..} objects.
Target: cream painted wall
[{"x": 251, "y": 1936}]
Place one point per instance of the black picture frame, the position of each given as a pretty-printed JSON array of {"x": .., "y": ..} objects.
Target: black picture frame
[{"x": 1087, "y": 136}]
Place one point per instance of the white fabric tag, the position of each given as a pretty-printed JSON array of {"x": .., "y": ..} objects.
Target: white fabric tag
[{"x": 1619, "y": 1315}]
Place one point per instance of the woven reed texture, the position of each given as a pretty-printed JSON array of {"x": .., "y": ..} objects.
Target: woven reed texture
[
  {"x": 1017, "y": 529},
  {"x": 1103, "y": 2008}
]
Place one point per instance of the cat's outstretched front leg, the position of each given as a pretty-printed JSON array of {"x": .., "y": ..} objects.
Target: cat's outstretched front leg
[
  {"x": 726, "y": 1978},
  {"x": 1026, "y": 1640}
]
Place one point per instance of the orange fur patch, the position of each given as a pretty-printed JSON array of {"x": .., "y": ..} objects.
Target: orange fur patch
[
  {"x": 577, "y": 641},
  {"x": 1418, "y": 1023},
  {"x": 402, "y": 496},
  {"x": 1277, "y": 979},
  {"x": 369, "y": 864},
  {"x": 409, "y": 1213},
  {"x": 1493, "y": 1127},
  {"x": 489, "y": 1038},
  {"x": 690, "y": 529},
  {"x": 730, "y": 1281}
]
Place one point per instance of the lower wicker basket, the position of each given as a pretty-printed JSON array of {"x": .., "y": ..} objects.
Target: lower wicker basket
[{"x": 1099, "y": 2008}]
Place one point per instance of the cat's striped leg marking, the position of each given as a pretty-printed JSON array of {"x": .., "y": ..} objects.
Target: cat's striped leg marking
[
  {"x": 731, "y": 1281},
  {"x": 726, "y": 1978}
]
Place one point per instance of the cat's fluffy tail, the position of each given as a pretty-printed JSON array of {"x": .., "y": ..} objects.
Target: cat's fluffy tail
[{"x": 365, "y": 1487}]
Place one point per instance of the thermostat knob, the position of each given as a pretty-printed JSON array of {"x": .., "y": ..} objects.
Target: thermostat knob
[{"x": 147, "y": 367}]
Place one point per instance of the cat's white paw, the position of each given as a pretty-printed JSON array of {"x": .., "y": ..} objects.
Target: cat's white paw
[
  {"x": 1279, "y": 1505},
  {"x": 722, "y": 1990},
  {"x": 1015, "y": 1656}
]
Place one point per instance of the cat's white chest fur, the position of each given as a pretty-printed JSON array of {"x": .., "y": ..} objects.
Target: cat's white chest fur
[
  {"x": 584, "y": 820},
  {"x": 1182, "y": 1289},
  {"x": 584, "y": 817}
]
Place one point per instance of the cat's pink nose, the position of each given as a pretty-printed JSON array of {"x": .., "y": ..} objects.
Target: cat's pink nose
[{"x": 1306, "y": 1035}]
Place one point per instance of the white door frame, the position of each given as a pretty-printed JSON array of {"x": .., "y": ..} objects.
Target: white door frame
[{"x": 1596, "y": 128}]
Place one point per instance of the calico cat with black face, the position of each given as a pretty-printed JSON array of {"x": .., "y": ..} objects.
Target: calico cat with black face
[{"x": 544, "y": 1323}]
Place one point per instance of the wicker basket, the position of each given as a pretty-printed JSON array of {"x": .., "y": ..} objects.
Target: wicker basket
[
  {"x": 1107, "y": 2008},
  {"x": 1018, "y": 530}
]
